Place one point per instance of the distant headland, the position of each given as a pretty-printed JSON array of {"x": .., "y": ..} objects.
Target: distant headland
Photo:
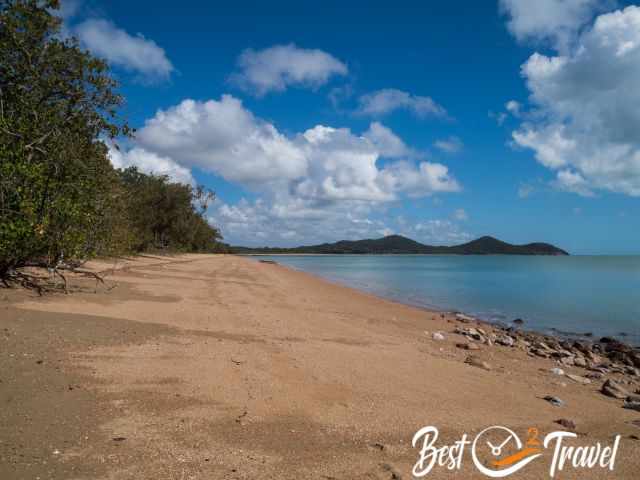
[{"x": 397, "y": 244}]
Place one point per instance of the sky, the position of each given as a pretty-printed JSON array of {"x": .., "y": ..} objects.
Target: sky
[{"x": 441, "y": 121}]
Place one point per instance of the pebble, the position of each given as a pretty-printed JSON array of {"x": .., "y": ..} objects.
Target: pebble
[
  {"x": 579, "y": 379},
  {"x": 569, "y": 361},
  {"x": 464, "y": 318},
  {"x": 468, "y": 332},
  {"x": 562, "y": 354},
  {"x": 555, "y": 401},
  {"x": 541, "y": 346},
  {"x": 540, "y": 352},
  {"x": 594, "y": 358},
  {"x": 475, "y": 361},
  {"x": 580, "y": 362},
  {"x": 395, "y": 474},
  {"x": 437, "y": 336},
  {"x": 568, "y": 424},
  {"x": 632, "y": 405},
  {"x": 633, "y": 397},
  {"x": 599, "y": 369},
  {"x": 611, "y": 388},
  {"x": 633, "y": 371},
  {"x": 505, "y": 340},
  {"x": 557, "y": 371}
]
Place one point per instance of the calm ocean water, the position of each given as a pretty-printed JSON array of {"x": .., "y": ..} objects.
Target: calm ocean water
[{"x": 577, "y": 294}]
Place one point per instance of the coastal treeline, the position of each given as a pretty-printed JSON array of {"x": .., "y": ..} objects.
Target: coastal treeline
[{"x": 61, "y": 201}]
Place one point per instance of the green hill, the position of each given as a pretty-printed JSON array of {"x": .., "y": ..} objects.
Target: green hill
[{"x": 397, "y": 244}]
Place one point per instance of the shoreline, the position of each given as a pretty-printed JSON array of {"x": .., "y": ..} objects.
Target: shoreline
[
  {"x": 542, "y": 331},
  {"x": 514, "y": 327},
  {"x": 223, "y": 367}
]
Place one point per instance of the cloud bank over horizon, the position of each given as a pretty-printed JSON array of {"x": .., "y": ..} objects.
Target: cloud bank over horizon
[{"x": 319, "y": 176}]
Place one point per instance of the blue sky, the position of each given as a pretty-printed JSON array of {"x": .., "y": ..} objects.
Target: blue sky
[{"x": 439, "y": 121}]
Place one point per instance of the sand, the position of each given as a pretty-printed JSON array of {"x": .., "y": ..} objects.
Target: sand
[{"x": 222, "y": 367}]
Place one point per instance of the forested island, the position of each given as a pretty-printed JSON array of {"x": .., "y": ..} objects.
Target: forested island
[{"x": 397, "y": 244}]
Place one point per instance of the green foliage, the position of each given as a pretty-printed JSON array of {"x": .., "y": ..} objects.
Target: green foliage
[
  {"x": 60, "y": 198},
  {"x": 56, "y": 102},
  {"x": 168, "y": 216}
]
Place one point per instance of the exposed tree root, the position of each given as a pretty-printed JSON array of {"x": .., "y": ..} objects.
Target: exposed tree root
[
  {"x": 43, "y": 284},
  {"x": 25, "y": 280}
]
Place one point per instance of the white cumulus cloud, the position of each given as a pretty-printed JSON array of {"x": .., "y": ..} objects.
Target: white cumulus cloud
[
  {"x": 342, "y": 166},
  {"x": 322, "y": 163},
  {"x": 585, "y": 123},
  {"x": 382, "y": 102},
  {"x": 149, "y": 162},
  {"x": 420, "y": 180},
  {"x": 514, "y": 108},
  {"x": 572, "y": 181},
  {"x": 554, "y": 21},
  {"x": 387, "y": 143},
  {"x": 439, "y": 232},
  {"x": 223, "y": 137},
  {"x": 276, "y": 68},
  {"x": 461, "y": 215},
  {"x": 449, "y": 145},
  {"x": 134, "y": 53}
]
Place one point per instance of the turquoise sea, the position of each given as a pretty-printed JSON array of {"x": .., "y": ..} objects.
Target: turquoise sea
[{"x": 574, "y": 294}]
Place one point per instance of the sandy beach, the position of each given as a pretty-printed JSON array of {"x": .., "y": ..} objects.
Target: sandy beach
[{"x": 222, "y": 367}]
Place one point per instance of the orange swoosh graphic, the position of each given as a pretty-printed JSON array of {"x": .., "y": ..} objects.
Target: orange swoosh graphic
[{"x": 515, "y": 457}]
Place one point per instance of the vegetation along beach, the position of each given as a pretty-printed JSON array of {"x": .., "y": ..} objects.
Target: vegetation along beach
[{"x": 357, "y": 241}]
